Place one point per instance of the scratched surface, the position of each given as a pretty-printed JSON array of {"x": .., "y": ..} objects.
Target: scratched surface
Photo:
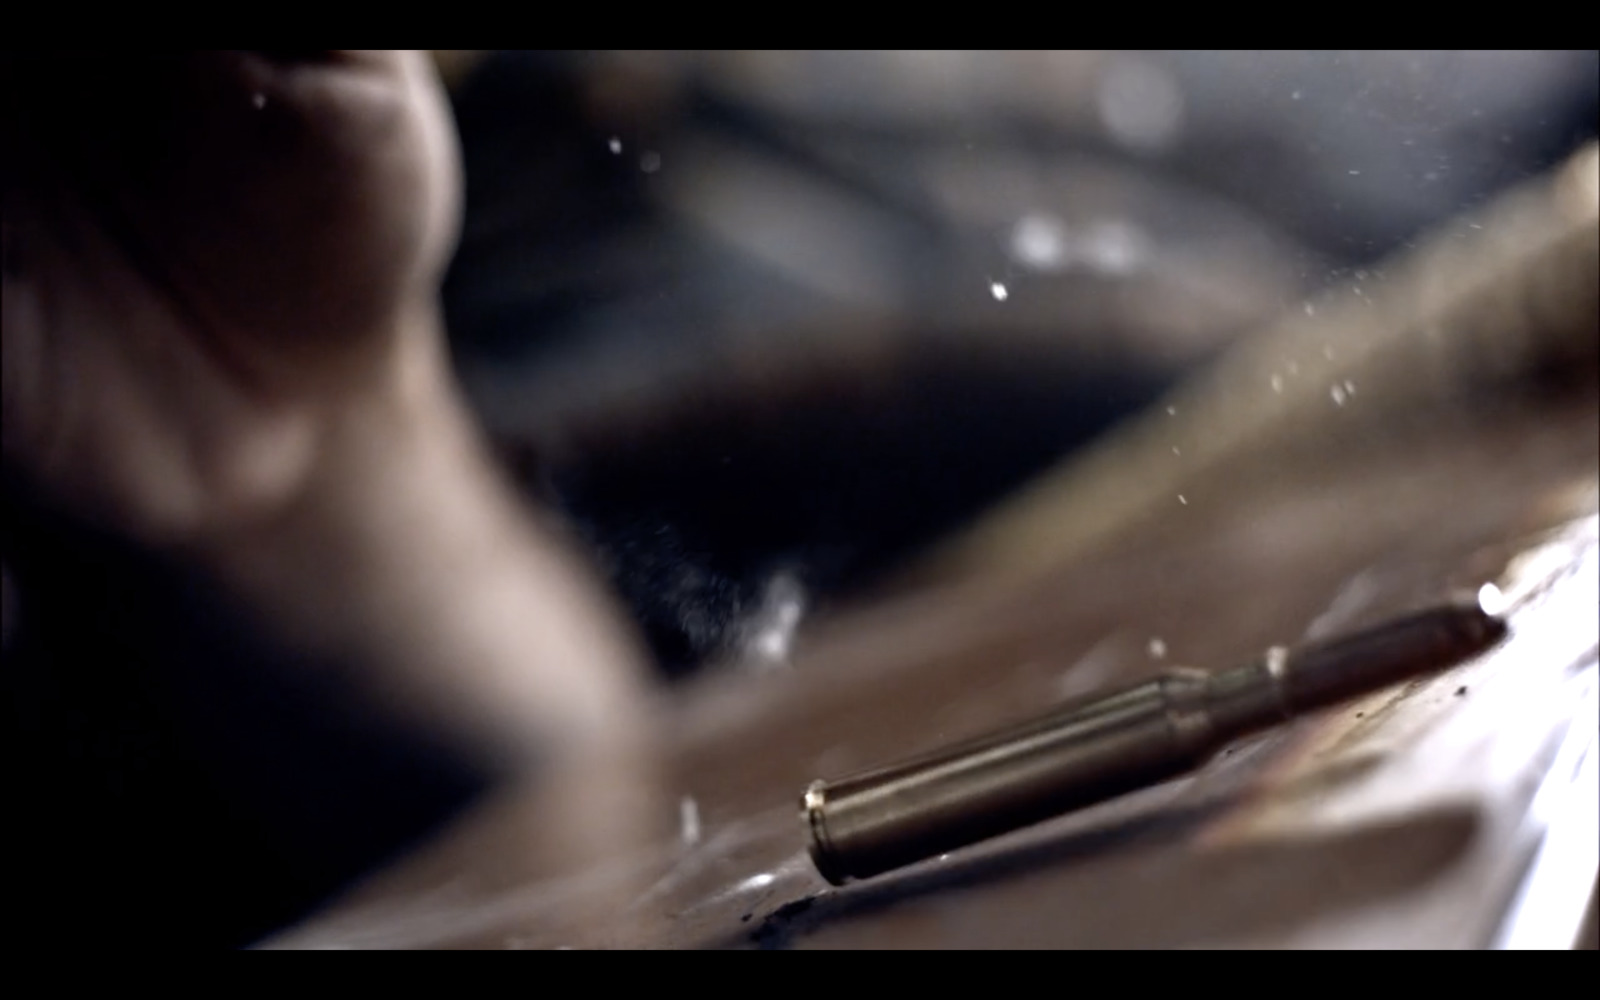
[{"x": 1454, "y": 812}]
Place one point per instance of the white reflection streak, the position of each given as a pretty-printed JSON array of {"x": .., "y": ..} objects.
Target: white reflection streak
[
  {"x": 1550, "y": 906},
  {"x": 796, "y": 869}
]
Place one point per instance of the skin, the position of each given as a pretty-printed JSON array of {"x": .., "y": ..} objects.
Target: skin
[{"x": 222, "y": 340}]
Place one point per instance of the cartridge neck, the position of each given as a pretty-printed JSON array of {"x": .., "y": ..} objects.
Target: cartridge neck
[{"x": 1249, "y": 698}]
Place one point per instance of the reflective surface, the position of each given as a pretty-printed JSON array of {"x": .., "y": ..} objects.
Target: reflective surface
[
  {"x": 1427, "y": 814},
  {"x": 1404, "y": 819},
  {"x": 892, "y": 816}
]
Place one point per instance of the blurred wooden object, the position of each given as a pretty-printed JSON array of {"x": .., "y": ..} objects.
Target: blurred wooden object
[
  {"x": 1394, "y": 448},
  {"x": 1501, "y": 300}
]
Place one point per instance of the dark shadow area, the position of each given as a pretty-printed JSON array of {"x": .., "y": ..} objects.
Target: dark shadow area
[{"x": 176, "y": 779}]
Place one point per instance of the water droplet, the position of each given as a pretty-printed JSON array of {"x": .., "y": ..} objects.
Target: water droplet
[
  {"x": 1140, "y": 103},
  {"x": 998, "y": 291},
  {"x": 258, "y": 101},
  {"x": 772, "y": 628},
  {"x": 1338, "y": 395},
  {"x": 1277, "y": 383},
  {"x": 615, "y": 145},
  {"x": 1039, "y": 241},
  {"x": 689, "y": 821},
  {"x": 1115, "y": 248},
  {"x": 1276, "y": 659},
  {"x": 650, "y": 162},
  {"x": 1158, "y": 649}
]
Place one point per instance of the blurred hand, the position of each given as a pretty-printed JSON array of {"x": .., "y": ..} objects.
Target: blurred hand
[
  {"x": 221, "y": 338},
  {"x": 208, "y": 258}
]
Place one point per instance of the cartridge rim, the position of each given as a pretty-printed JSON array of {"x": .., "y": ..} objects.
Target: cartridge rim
[{"x": 813, "y": 807}]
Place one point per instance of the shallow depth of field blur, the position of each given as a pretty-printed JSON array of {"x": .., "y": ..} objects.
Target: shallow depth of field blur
[
  {"x": 762, "y": 329},
  {"x": 763, "y": 324}
]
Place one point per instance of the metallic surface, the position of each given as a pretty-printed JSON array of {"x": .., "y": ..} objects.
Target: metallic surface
[
  {"x": 1434, "y": 814},
  {"x": 895, "y": 816}
]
